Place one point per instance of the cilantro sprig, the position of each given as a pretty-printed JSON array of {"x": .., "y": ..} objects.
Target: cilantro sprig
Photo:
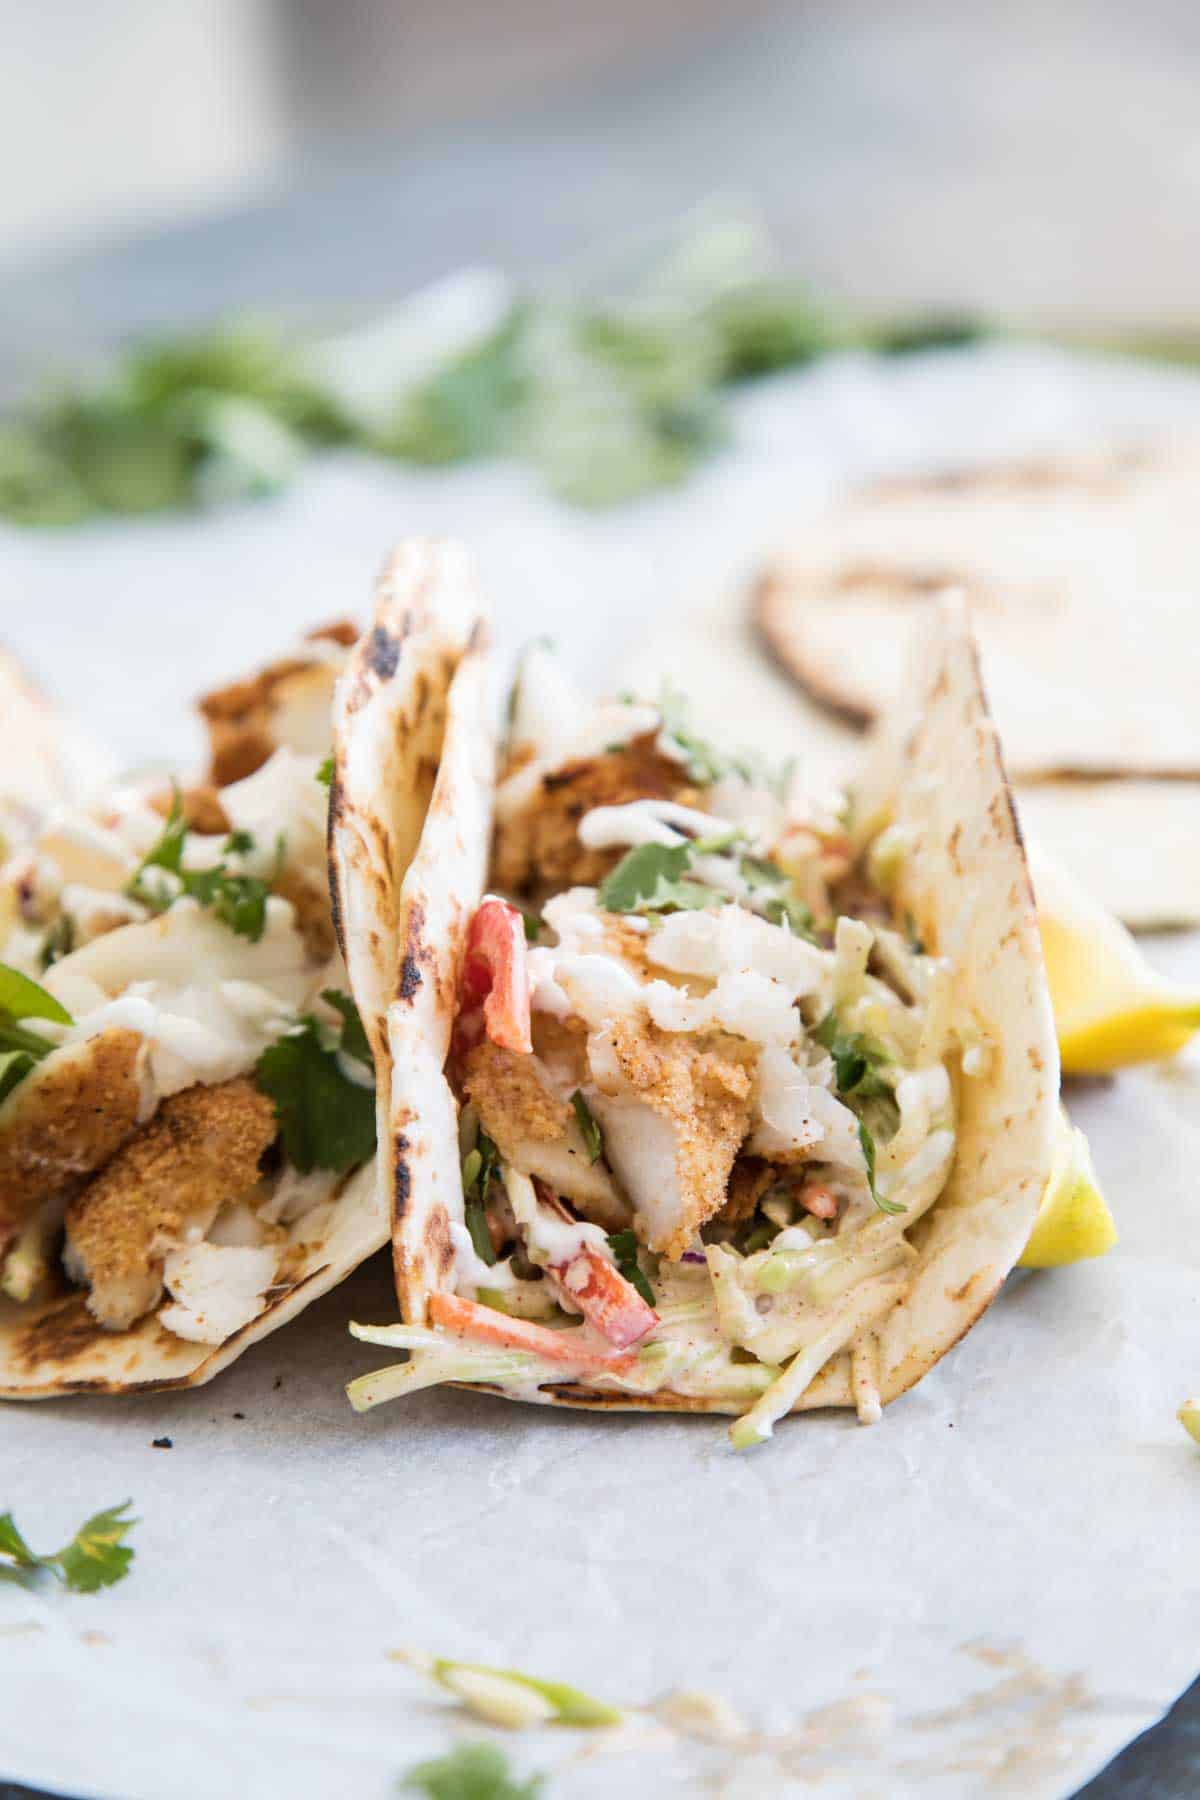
[
  {"x": 857, "y": 1059},
  {"x": 21, "y": 1049},
  {"x": 479, "y": 1165},
  {"x": 868, "y": 1149},
  {"x": 654, "y": 878},
  {"x": 624, "y": 1246},
  {"x": 324, "y": 772},
  {"x": 589, "y": 1126},
  {"x": 96, "y": 1557},
  {"x": 471, "y": 1772},
  {"x": 236, "y": 900},
  {"x": 326, "y": 1120}
]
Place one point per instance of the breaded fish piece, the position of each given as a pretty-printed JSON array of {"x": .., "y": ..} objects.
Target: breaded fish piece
[
  {"x": 65, "y": 1120},
  {"x": 286, "y": 703},
  {"x": 163, "y": 1190},
  {"x": 675, "y": 1109},
  {"x": 539, "y": 847},
  {"x": 535, "y": 1130}
]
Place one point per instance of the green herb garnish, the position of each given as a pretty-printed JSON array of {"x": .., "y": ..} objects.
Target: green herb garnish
[
  {"x": 624, "y": 1246},
  {"x": 856, "y": 1059},
  {"x": 96, "y": 1557},
  {"x": 471, "y": 1772},
  {"x": 58, "y": 942},
  {"x": 650, "y": 878},
  {"x": 21, "y": 1049},
  {"x": 324, "y": 772},
  {"x": 239, "y": 901},
  {"x": 354, "y": 1036},
  {"x": 326, "y": 1120},
  {"x": 705, "y": 764},
  {"x": 780, "y": 905},
  {"x": 532, "y": 924},
  {"x": 868, "y": 1150},
  {"x": 589, "y": 1127},
  {"x": 785, "y": 909},
  {"x": 479, "y": 1165}
]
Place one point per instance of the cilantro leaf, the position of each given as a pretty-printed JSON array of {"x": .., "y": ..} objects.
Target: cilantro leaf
[
  {"x": 471, "y": 1772},
  {"x": 15, "y": 1065},
  {"x": 856, "y": 1059},
  {"x": 532, "y": 924},
  {"x": 354, "y": 1036},
  {"x": 58, "y": 942},
  {"x": 239, "y": 901},
  {"x": 167, "y": 853},
  {"x": 624, "y": 1246},
  {"x": 21, "y": 1049},
  {"x": 705, "y": 764},
  {"x": 589, "y": 1128},
  {"x": 478, "y": 1167},
  {"x": 325, "y": 772},
  {"x": 96, "y": 1557},
  {"x": 649, "y": 879},
  {"x": 868, "y": 1150},
  {"x": 760, "y": 872},
  {"x": 22, "y": 998},
  {"x": 638, "y": 874},
  {"x": 785, "y": 909},
  {"x": 326, "y": 1120}
]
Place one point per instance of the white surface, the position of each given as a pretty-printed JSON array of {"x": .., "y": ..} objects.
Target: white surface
[{"x": 1033, "y": 1498}]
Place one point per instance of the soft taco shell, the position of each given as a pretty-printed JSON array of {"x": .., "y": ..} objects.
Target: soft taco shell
[
  {"x": 409, "y": 822},
  {"x": 54, "y": 1347},
  {"x": 1080, "y": 575},
  {"x": 934, "y": 766}
]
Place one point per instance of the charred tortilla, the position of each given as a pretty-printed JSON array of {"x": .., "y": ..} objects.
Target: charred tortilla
[{"x": 1080, "y": 578}]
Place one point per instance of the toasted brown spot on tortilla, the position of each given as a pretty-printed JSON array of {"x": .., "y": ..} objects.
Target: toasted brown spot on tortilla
[
  {"x": 403, "y": 1174},
  {"x": 438, "y": 1242},
  {"x": 382, "y": 652}
]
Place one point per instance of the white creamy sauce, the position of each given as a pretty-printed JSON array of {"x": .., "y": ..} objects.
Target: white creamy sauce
[
  {"x": 647, "y": 822},
  {"x": 552, "y": 1242}
]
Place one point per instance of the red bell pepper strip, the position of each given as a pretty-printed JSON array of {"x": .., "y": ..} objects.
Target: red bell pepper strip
[
  {"x": 494, "y": 985},
  {"x": 607, "y": 1301}
]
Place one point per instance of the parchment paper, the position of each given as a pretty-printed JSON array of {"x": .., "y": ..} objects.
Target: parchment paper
[{"x": 990, "y": 1592}]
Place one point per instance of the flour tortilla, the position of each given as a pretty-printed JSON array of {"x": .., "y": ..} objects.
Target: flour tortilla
[
  {"x": 54, "y": 1347},
  {"x": 410, "y": 819},
  {"x": 934, "y": 766},
  {"x": 1082, "y": 580}
]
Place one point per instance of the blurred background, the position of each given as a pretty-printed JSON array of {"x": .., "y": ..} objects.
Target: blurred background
[{"x": 171, "y": 159}]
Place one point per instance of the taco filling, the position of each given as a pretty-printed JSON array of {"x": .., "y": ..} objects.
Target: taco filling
[
  {"x": 184, "y": 1084},
  {"x": 707, "y": 1078}
]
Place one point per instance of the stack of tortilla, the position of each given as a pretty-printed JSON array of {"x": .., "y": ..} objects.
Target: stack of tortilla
[{"x": 1082, "y": 577}]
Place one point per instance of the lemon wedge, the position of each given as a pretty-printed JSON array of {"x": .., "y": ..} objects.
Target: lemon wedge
[
  {"x": 1189, "y": 1417},
  {"x": 1110, "y": 1007},
  {"x": 1073, "y": 1220}
]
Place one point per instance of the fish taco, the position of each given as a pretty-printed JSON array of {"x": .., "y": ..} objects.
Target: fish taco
[
  {"x": 187, "y": 1093},
  {"x": 726, "y": 1098}
]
